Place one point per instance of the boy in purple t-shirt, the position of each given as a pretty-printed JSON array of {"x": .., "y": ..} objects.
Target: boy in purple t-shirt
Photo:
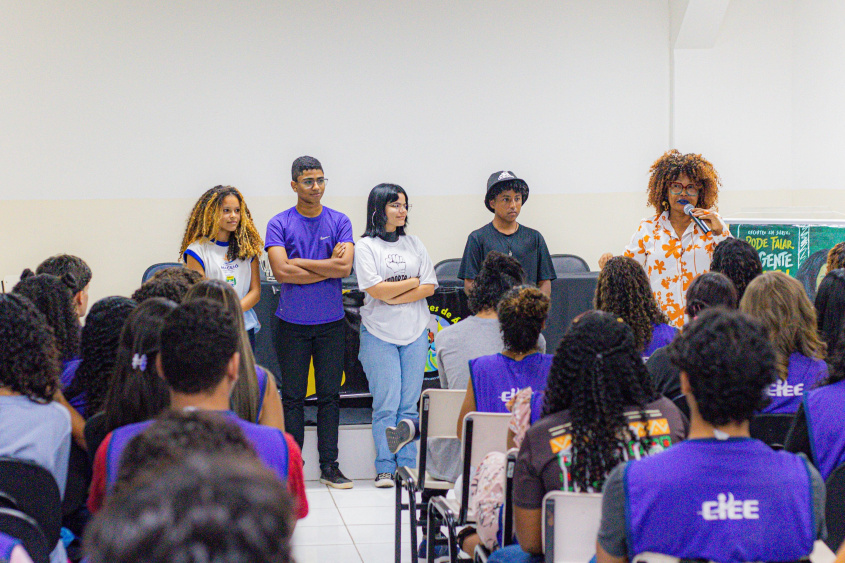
[{"x": 310, "y": 250}]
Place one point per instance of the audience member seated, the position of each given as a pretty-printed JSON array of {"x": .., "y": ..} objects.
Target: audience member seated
[
  {"x": 719, "y": 495},
  {"x": 599, "y": 409},
  {"x": 830, "y": 307},
  {"x": 818, "y": 430},
  {"x": 739, "y": 261},
  {"x": 497, "y": 378},
  {"x": 86, "y": 387},
  {"x": 200, "y": 362},
  {"x": 136, "y": 392},
  {"x": 32, "y": 426},
  {"x": 255, "y": 397},
  {"x": 710, "y": 289},
  {"x": 62, "y": 264},
  {"x": 836, "y": 257},
  {"x": 623, "y": 290},
  {"x": 170, "y": 283},
  {"x": 204, "y": 509},
  {"x": 11, "y": 550},
  {"x": 780, "y": 303}
]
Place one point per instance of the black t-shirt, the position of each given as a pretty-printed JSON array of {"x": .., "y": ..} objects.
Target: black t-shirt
[
  {"x": 526, "y": 245},
  {"x": 665, "y": 375}
]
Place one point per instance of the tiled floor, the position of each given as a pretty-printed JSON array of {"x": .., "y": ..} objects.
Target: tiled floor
[{"x": 346, "y": 526}]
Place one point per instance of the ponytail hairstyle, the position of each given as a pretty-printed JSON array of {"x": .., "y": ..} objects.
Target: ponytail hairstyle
[
  {"x": 498, "y": 275},
  {"x": 522, "y": 314},
  {"x": 54, "y": 298},
  {"x": 710, "y": 289},
  {"x": 137, "y": 391},
  {"x": 98, "y": 349},
  {"x": 596, "y": 373},
  {"x": 204, "y": 224},
  {"x": 380, "y": 197},
  {"x": 245, "y": 397}
]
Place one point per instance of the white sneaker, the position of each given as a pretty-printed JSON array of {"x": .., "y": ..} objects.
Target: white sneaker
[{"x": 384, "y": 480}]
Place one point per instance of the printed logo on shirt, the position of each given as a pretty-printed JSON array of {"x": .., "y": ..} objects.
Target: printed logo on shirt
[
  {"x": 508, "y": 395},
  {"x": 325, "y": 237},
  {"x": 397, "y": 266},
  {"x": 784, "y": 389},
  {"x": 231, "y": 280},
  {"x": 726, "y": 507},
  {"x": 229, "y": 266}
]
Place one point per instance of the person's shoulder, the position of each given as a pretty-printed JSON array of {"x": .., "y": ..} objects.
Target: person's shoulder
[
  {"x": 556, "y": 424},
  {"x": 283, "y": 216},
  {"x": 485, "y": 231},
  {"x": 335, "y": 215},
  {"x": 528, "y": 232}
]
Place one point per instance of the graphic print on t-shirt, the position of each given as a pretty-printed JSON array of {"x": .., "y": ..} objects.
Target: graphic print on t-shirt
[
  {"x": 230, "y": 272},
  {"x": 397, "y": 266}
]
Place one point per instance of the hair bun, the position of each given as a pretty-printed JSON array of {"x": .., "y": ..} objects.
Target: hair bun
[
  {"x": 69, "y": 280},
  {"x": 27, "y": 273}
]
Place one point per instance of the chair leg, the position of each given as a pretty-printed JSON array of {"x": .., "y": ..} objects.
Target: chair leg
[
  {"x": 431, "y": 533},
  {"x": 397, "y": 539},
  {"x": 412, "y": 511}
]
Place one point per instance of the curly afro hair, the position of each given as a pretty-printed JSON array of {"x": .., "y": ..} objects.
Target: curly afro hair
[
  {"x": 54, "y": 298},
  {"x": 710, "y": 289},
  {"x": 836, "y": 257},
  {"x": 498, "y": 275},
  {"x": 729, "y": 361},
  {"x": 669, "y": 168},
  {"x": 98, "y": 349},
  {"x": 739, "y": 261},
  {"x": 522, "y": 313},
  {"x": 29, "y": 362},
  {"x": 623, "y": 290},
  {"x": 596, "y": 373},
  {"x": 171, "y": 288},
  {"x": 830, "y": 307},
  {"x": 64, "y": 263}
]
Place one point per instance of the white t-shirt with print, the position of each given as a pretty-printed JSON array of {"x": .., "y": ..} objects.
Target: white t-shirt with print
[
  {"x": 237, "y": 273},
  {"x": 377, "y": 260}
]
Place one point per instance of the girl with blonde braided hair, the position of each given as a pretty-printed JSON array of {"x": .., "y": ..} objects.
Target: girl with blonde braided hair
[{"x": 221, "y": 242}]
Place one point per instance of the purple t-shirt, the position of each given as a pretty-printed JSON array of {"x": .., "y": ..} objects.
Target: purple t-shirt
[
  {"x": 804, "y": 373},
  {"x": 661, "y": 336},
  {"x": 312, "y": 238}
]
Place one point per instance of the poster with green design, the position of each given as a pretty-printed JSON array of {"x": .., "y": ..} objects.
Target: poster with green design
[{"x": 799, "y": 250}]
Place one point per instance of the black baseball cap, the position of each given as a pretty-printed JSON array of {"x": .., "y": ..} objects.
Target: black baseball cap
[{"x": 504, "y": 176}]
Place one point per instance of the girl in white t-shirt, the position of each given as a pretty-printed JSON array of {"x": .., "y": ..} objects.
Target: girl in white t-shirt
[
  {"x": 222, "y": 243},
  {"x": 396, "y": 274}
]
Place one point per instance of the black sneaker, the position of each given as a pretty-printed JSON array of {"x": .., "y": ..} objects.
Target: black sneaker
[
  {"x": 384, "y": 480},
  {"x": 400, "y": 435},
  {"x": 331, "y": 476}
]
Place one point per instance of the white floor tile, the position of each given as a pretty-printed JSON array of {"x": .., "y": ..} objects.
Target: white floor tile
[
  {"x": 319, "y": 499},
  {"x": 324, "y": 553},
  {"x": 365, "y": 497},
  {"x": 315, "y": 486},
  {"x": 383, "y": 553},
  {"x": 376, "y": 533},
  {"x": 322, "y": 517},
  {"x": 321, "y": 535},
  {"x": 366, "y": 515}
]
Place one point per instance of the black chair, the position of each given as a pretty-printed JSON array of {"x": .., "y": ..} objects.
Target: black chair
[
  {"x": 148, "y": 273},
  {"x": 569, "y": 264},
  {"x": 771, "y": 428},
  {"x": 18, "y": 525},
  {"x": 834, "y": 508},
  {"x": 36, "y": 494},
  {"x": 447, "y": 272},
  {"x": 681, "y": 402}
]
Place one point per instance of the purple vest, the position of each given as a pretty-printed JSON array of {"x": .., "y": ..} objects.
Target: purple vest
[
  {"x": 269, "y": 444},
  {"x": 661, "y": 336},
  {"x": 823, "y": 408},
  {"x": 69, "y": 372},
  {"x": 803, "y": 374},
  {"x": 497, "y": 378},
  {"x": 729, "y": 501},
  {"x": 7, "y": 544},
  {"x": 537, "y": 399}
]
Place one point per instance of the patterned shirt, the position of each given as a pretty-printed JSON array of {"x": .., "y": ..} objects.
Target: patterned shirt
[{"x": 672, "y": 263}]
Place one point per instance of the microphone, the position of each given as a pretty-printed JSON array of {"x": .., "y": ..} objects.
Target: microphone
[{"x": 688, "y": 207}]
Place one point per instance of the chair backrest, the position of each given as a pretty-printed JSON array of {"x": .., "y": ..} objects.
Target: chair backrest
[
  {"x": 771, "y": 428},
  {"x": 569, "y": 264},
  {"x": 439, "y": 409},
  {"x": 24, "y": 528},
  {"x": 148, "y": 273},
  {"x": 507, "y": 506},
  {"x": 570, "y": 526},
  {"x": 36, "y": 493},
  {"x": 834, "y": 508},
  {"x": 483, "y": 432},
  {"x": 447, "y": 270}
]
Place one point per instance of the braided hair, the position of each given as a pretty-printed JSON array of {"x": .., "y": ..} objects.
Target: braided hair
[
  {"x": 623, "y": 289},
  {"x": 596, "y": 373},
  {"x": 54, "y": 298},
  {"x": 204, "y": 224},
  {"x": 98, "y": 349}
]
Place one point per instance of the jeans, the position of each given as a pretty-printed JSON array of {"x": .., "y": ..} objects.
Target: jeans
[
  {"x": 395, "y": 375},
  {"x": 295, "y": 346}
]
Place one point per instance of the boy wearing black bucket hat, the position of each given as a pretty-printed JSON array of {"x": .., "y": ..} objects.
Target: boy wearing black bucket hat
[{"x": 505, "y": 195}]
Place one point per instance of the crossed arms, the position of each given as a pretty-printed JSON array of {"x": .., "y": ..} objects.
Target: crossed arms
[{"x": 303, "y": 271}]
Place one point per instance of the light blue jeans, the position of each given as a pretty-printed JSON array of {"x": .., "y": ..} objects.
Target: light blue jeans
[{"x": 395, "y": 375}]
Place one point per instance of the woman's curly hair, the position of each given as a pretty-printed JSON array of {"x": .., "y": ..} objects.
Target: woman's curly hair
[
  {"x": 738, "y": 260},
  {"x": 29, "y": 361},
  {"x": 98, "y": 350},
  {"x": 623, "y": 289},
  {"x": 498, "y": 275},
  {"x": 204, "y": 224},
  {"x": 669, "y": 168},
  {"x": 836, "y": 257},
  {"x": 54, "y": 298},
  {"x": 596, "y": 373},
  {"x": 830, "y": 307},
  {"x": 729, "y": 361},
  {"x": 710, "y": 289},
  {"x": 522, "y": 314},
  {"x": 780, "y": 303}
]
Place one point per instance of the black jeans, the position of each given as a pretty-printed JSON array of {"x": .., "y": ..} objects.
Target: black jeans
[{"x": 295, "y": 346}]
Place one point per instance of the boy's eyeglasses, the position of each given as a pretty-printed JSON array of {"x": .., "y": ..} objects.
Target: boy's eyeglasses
[
  {"x": 398, "y": 206},
  {"x": 309, "y": 182},
  {"x": 677, "y": 188}
]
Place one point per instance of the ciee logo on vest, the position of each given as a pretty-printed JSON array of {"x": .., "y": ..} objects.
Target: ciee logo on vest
[
  {"x": 784, "y": 389},
  {"x": 726, "y": 507}
]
